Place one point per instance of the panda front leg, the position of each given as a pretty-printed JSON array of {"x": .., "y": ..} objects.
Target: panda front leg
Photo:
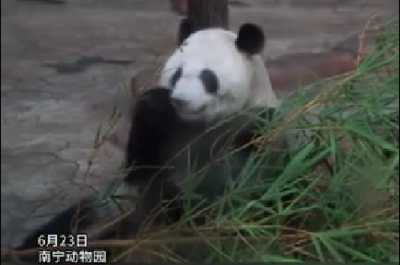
[{"x": 152, "y": 125}]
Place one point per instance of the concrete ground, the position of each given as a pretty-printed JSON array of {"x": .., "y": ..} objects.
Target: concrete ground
[{"x": 63, "y": 64}]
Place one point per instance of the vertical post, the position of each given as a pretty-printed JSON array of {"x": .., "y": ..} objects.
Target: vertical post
[{"x": 208, "y": 13}]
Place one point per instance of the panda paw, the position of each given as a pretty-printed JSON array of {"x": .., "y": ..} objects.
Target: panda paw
[{"x": 153, "y": 108}]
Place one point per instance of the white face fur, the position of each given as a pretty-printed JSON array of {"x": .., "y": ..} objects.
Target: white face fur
[{"x": 210, "y": 77}]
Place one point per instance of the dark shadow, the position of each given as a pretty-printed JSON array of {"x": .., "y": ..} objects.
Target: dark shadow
[
  {"x": 83, "y": 63},
  {"x": 237, "y": 3},
  {"x": 50, "y": 2}
]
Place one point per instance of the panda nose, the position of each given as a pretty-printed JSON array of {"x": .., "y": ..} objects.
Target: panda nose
[{"x": 179, "y": 103}]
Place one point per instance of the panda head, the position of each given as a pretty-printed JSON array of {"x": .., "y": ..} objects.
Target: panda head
[{"x": 212, "y": 73}]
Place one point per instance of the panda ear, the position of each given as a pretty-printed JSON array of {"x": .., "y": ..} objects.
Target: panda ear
[
  {"x": 186, "y": 28},
  {"x": 251, "y": 39}
]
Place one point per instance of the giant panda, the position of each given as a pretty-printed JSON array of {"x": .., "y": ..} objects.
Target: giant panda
[
  {"x": 206, "y": 83},
  {"x": 205, "y": 88}
]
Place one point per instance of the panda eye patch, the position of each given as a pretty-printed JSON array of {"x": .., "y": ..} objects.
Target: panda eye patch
[
  {"x": 175, "y": 77},
  {"x": 209, "y": 80}
]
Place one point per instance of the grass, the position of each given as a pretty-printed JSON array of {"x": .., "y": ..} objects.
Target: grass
[
  {"x": 342, "y": 179},
  {"x": 345, "y": 181}
]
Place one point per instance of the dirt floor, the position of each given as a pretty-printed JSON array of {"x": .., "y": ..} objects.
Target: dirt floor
[{"x": 63, "y": 64}]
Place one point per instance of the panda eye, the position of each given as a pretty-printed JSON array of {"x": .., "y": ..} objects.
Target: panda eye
[
  {"x": 175, "y": 77},
  {"x": 209, "y": 80}
]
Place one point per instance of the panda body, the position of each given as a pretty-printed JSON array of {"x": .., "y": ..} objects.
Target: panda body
[
  {"x": 214, "y": 74},
  {"x": 198, "y": 91}
]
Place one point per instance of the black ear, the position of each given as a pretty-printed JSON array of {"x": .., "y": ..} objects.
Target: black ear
[
  {"x": 251, "y": 39},
  {"x": 186, "y": 28}
]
